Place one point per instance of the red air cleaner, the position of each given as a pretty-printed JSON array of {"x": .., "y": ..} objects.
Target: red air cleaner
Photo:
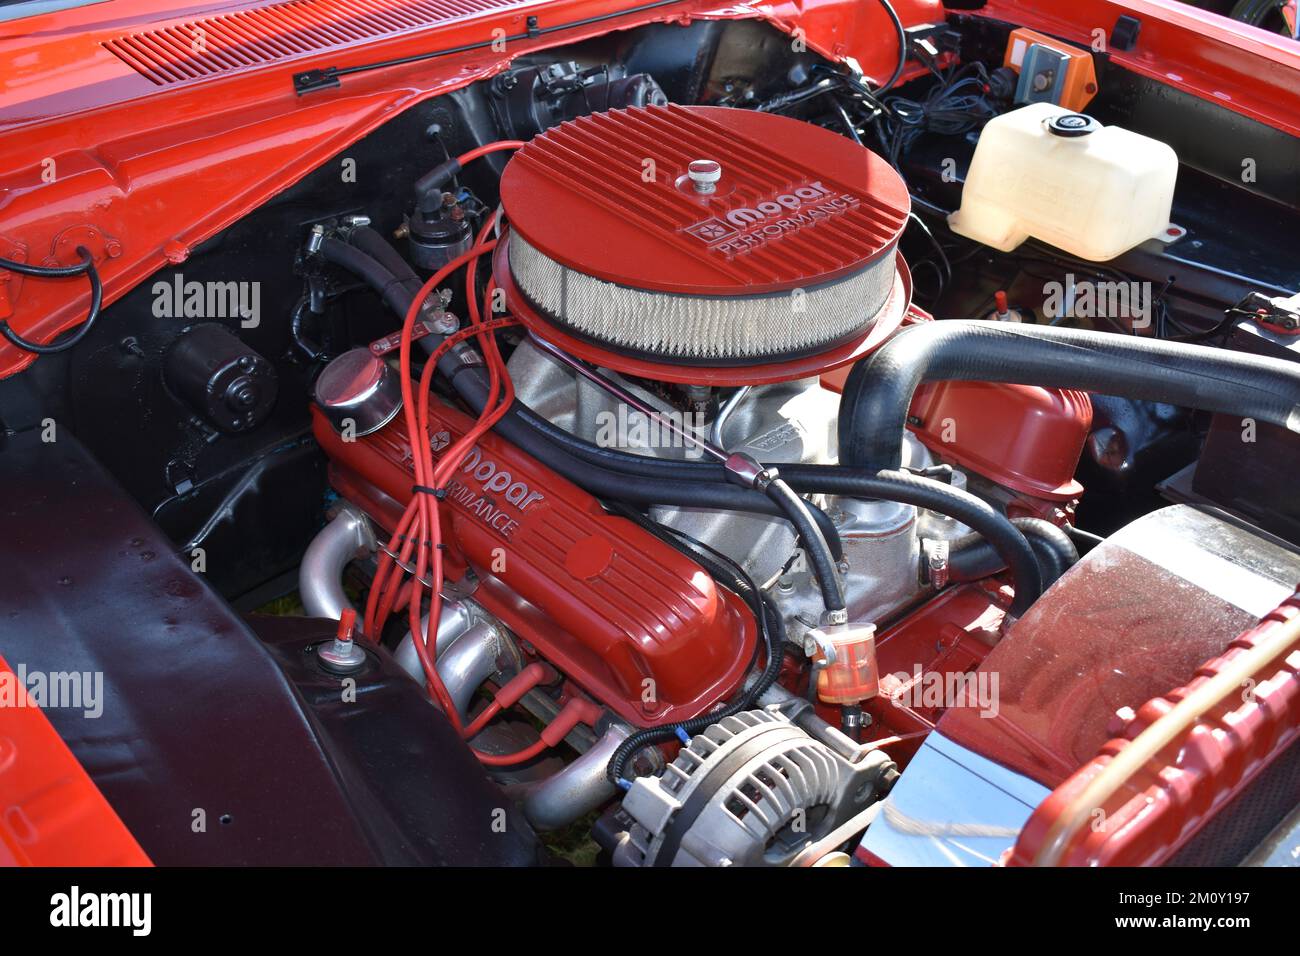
[{"x": 731, "y": 242}]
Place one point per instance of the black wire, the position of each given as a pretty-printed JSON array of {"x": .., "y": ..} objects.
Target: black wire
[
  {"x": 918, "y": 273},
  {"x": 742, "y": 585},
  {"x": 771, "y": 633},
  {"x": 1222, "y": 327},
  {"x": 664, "y": 532},
  {"x": 1085, "y": 541},
  {"x": 796, "y": 97},
  {"x": 956, "y": 104},
  {"x": 50, "y": 272},
  {"x": 848, "y": 122},
  {"x": 932, "y": 209},
  {"x": 901, "y": 34},
  {"x": 86, "y": 267},
  {"x": 945, "y": 276},
  {"x": 832, "y": 81}
]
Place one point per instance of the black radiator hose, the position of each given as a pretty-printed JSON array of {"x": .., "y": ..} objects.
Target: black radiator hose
[
  {"x": 972, "y": 557},
  {"x": 879, "y": 390}
]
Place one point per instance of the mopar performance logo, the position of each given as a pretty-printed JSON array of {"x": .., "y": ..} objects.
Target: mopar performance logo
[
  {"x": 745, "y": 227},
  {"x": 492, "y": 480}
]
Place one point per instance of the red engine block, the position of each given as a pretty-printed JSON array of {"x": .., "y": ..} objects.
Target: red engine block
[{"x": 628, "y": 618}]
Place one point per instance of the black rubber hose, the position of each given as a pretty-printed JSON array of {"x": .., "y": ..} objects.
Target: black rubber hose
[
  {"x": 879, "y": 390},
  {"x": 815, "y": 547},
  {"x": 807, "y": 479},
  {"x": 299, "y": 336},
  {"x": 909, "y": 489},
  {"x": 830, "y": 534},
  {"x": 429, "y": 187},
  {"x": 376, "y": 262},
  {"x": 618, "y": 460},
  {"x": 381, "y": 250},
  {"x": 620, "y": 486},
  {"x": 391, "y": 289},
  {"x": 1053, "y": 545},
  {"x": 770, "y": 624},
  {"x": 812, "y": 479},
  {"x": 972, "y": 557}
]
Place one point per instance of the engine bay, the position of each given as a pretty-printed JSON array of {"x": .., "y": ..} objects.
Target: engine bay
[{"x": 711, "y": 455}]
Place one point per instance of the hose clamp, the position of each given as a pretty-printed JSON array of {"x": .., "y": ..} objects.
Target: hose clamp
[
  {"x": 463, "y": 355},
  {"x": 835, "y": 618},
  {"x": 936, "y": 552},
  {"x": 745, "y": 470}
]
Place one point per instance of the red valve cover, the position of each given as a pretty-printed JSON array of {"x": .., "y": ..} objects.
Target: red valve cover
[
  {"x": 1022, "y": 436},
  {"x": 628, "y": 618}
]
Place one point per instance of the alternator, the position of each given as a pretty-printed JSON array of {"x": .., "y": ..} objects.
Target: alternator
[{"x": 751, "y": 790}]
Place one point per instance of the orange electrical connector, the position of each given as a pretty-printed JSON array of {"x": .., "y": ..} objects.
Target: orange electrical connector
[{"x": 1051, "y": 71}]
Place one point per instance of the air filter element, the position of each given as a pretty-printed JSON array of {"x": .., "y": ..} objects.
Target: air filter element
[{"x": 702, "y": 237}]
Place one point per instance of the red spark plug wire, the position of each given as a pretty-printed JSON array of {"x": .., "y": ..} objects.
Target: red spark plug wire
[
  {"x": 496, "y": 147},
  {"x": 420, "y": 530}
]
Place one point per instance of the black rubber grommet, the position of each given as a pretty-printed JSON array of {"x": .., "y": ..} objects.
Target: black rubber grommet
[{"x": 1072, "y": 124}]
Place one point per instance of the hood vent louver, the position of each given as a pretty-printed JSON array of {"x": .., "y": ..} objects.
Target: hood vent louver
[{"x": 224, "y": 43}]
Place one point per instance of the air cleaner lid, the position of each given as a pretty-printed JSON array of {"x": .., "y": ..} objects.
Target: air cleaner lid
[{"x": 790, "y": 205}]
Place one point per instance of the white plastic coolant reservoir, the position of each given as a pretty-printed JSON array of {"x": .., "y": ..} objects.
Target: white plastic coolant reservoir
[{"x": 1091, "y": 190}]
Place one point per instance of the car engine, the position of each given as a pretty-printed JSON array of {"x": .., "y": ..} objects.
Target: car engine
[{"x": 709, "y": 454}]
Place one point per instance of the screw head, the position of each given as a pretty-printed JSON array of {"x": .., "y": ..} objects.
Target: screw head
[{"x": 704, "y": 174}]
